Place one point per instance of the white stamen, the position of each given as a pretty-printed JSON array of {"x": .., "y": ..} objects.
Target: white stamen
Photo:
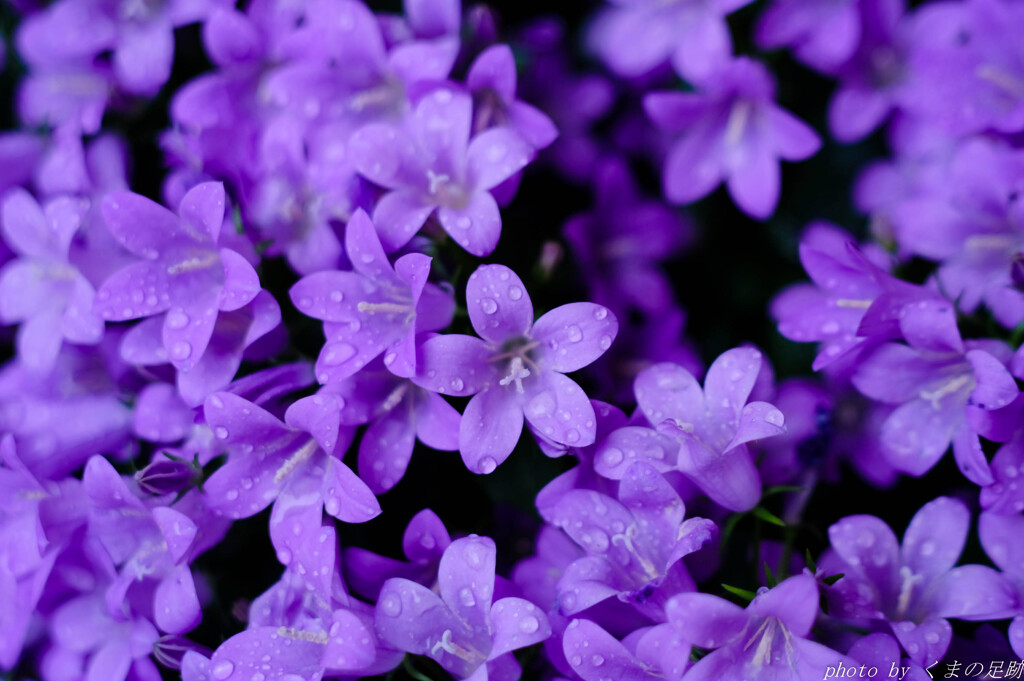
[{"x": 516, "y": 373}]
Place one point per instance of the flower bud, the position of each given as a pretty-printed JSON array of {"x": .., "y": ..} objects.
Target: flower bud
[
  {"x": 169, "y": 650},
  {"x": 164, "y": 476}
]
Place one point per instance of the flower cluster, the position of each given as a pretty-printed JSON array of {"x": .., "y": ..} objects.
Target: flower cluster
[{"x": 283, "y": 280}]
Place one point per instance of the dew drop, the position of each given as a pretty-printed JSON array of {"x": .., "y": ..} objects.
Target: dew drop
[
  {"x": 467, "y": 598},
  {"x": 488, "y": 306},
  {"x": 177, "y": 319},
  {"x": 529, "y": 624},
  {"x": 284, "y": 556},
  {"x": 339, "y": 354},
  {"x": 487, "y": 465},
  {"x": 774, "y": 417},
  {"x": 457, "y": 384},
  {"x": 597, "y": 660},
  {"x": 575, "y": 334},
  {"x": 391, "y": 606},
  {"x": 612, "y": 456},
  {"x": 463, "y": 222},
  {"x": 600, "y": 313},
  {"x": 181, "y": 350},
  {"x": 221, "y": 432},
  {"x": 223, "y": 669},
  {"x": 605, "y": 342},
  {"x": 332, "y": 506},
  {"x": 337, "y": 296},
  {"x": 515, "y": 293}
]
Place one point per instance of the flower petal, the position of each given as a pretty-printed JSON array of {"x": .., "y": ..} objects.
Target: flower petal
[
  {"x": 476, "y": 226},
  {"x": 516, "y": 623},
  {"x": 454, "y": 365},
  {"x": 936, "y": 536},
  {"x": 557, "y": 408},
  {"x": 496, "y": 155},
  {"x": 386, "y": 449},
  {"x": 346, "y": 497},
  {"x": 489, "y": 430},
  {"x": 175, "y": 603},
  {"x": 499, "y": 306},
  {"x": 426, "y": 537},
  {"x": 573, "y": 336}
]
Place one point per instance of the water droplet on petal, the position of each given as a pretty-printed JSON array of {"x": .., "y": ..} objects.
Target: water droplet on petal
[
  {"x": 457, "y": 384},
  {"x": 177, "y": 319},
  {"x": 332, "y": 506},
  {"x": 223, "y": 669},
  {"x": 605, "y": 342},
  {"x": 487, "y": 465},
  {"x": 597, "y": 660},
  {"x": 488, "y": 306},
  {"x": 463, "y": 222},
  {"x": 391, "y": 605},
  {"x": 774, "y": 417},
  {"x": 284, "y": 556},
  {"x": 339, "y": 354},
  {"x": 221, "y": 432},
  {"x": 181, "y": 350},
  {"x": 515, "y": 293},
  {"x": 600, "y": 313},
  {"x": 574, "y": 333},
  {"x": 612, "y": 456},
  {"x": 529, "y": 624},
  {"x": 467, "y": 598},
  {"x": 337, "y": 296}
]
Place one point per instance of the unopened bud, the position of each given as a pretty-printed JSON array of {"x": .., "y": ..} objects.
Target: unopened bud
[
  {"x": 165, "y": 476},
  {"x": 170, "y": 650}
]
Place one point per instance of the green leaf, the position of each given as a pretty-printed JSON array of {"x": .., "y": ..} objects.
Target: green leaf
[
  {"x": 767, "y": 516},
  {"x": 769, "y": 578},
  {"x": 781, "y": 489},
  {"x": 809, "y": 559},
  {"x": 412, "y": 671},
  {"x": 742, "y": 593},
  {"x": 236, "y": 218},
  {"x": 832, "y": 579},
  {"x": 730, "y": 527}
]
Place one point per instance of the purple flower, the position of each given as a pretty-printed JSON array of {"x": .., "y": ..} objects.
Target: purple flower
[
  {"x": 639, "y": 35},
  {"x": 184, "y": 273},
  {"x": 914, "y": 588},
  {"x": 702, "y": 433},
  {"x": 296, "y": 633},
  {"x": 377, "y": 308},
  {"x": 145, "y": 544},
  {"x": 1000, "y": 537},
  {"x": 50, "y": 298},
  {"x": 766, "y": 641},
  {"x": 621, "y": 242},
  {"x": 492, "y": 82},
  {"x": 647, "y": 654},
  {"x": 397, "y": 413},
  {"x": 732, "y": 130},
  {"x": 459, "y": 627},
  {"x": 821, "y": 34},
  {"x": 424, "y": 541},
  {"x": 967, "y": 66},
  {"x": 517, "y": 369},
  {"x": 941, "y": 396},
  {"x": 429, "y": 163},
  {"x": 854, "y": 303},
  {"x": 975, "y": 228},
  {"x": 873, "y": 81},
  {"x": 634, "y": 545},
  {"x": 141, "y": 35},
  {"x": 293, "y": 465}
]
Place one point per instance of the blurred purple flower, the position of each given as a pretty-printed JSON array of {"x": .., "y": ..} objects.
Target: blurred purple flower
[{"x": 732, "y": 130}]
